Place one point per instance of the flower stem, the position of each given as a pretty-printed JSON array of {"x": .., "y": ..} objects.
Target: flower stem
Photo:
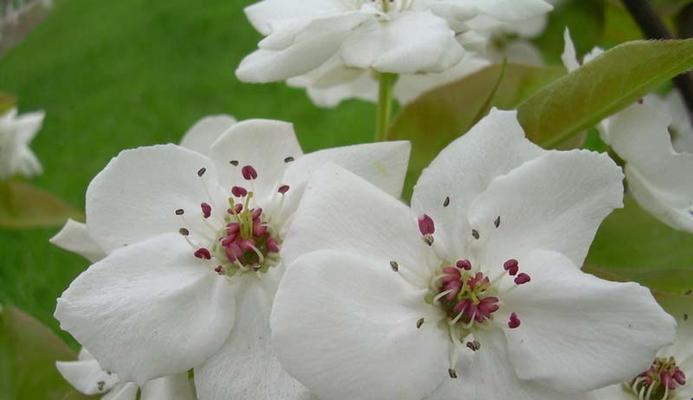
[{"x": 385, "y": 97}]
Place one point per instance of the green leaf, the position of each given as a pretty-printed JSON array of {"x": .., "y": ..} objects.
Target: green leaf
[
  {"x": 7, "y": 102},
  {"x": 440, "y": 116},
  {"x": 578, "y": 101},
  {"x": 631, "y": 245},
  {"x": 24, "y": 206},
  {"x": 28, "y": 352}
]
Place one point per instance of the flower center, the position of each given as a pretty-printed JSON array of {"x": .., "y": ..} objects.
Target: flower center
[
  {"x": 384, "y": 7},
  {"x": 659, "y": 382},
  {"x": 470, "y": 298},
  {"x": 241, "y": 238}
]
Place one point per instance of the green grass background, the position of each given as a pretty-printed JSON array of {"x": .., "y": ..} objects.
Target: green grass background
[{"x": 120, "y": 74}]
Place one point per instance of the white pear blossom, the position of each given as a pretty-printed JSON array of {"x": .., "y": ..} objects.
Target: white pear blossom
[
  {"x": 475, "y": 293},
  {"x": 655, "y": 139},
  {"x": 668, "y": 378},
  {"x": 391, "y": 36},
  {"x": 192, "y": 255},
  {"x": 484, "y": 39},
  {"x": 16, "y": 133},
  {"x": 87, "y": 376}
]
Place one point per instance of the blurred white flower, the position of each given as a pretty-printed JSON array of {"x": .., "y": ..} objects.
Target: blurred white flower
[
  {"x": 393, "y": 36},
  {"x": 16, "y": 133},
  {"x": 87, "y": 376},
  {"x": 668, "y": 376},
  {"x": 475, "y": 292},
  {"x": 655, "y": 139},
  {"x": 192, "y": 242},
  {"x": 488, "y": 40}
]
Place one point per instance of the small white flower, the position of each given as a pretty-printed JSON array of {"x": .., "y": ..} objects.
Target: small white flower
[
  {"x": 192, "y": 244},
  {"x": 668, "y": 378},
  {"x": 475, "y": 292},
  {"x": 394, "y": 36},
  {"x": 16, "y": 133},
  {"x": 655, "y": 139},
  {"x": 87, "y": 376}
]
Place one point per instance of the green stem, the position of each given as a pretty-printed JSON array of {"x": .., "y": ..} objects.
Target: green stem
[{"x": 385, "y": 97}]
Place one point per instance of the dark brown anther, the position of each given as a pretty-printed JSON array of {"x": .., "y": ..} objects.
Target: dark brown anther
[
  {"x": 452, "y": 373},
  {"x": 474, "y": 346},
  {"x": 419, "y": 323},
  {"x": 446, "y": 202},
  {"x": 184, "y": 231},
  {"x": 180, "y": 211},
  {"x": 201, "y": 172},
  {"x": 475, "y": 233},
  {"x": 234, "y": 163},
  {"x": 496, "y": 223},
  {"x": 289, "y": 159},
  {"x": 394, "y": 266}
]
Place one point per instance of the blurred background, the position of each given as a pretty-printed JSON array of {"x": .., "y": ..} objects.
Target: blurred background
[{"x": 119, "y": 74}]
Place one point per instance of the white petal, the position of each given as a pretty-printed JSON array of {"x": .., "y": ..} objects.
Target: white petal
[
  {"x": 658, "y": 177},
  {"x": 346, "y": 327},
  {"x": 263, "y": 144},
  {"x": 206, "y": 131},
  {"x": 341, "y": 211},
  {"x": 332, "y": 83},
  {"x": 125, "y": 391},
  {"x": 87, "y": 376},
  {"x": 579, "y": 332},
  {"x": 569, "y": 56},
  {"x": 298, "y": 49},
  {"x": 494, "y": 146},
  {"x": 510, "y": 10},
  {"x": 75, "y": 237},
  {"x": 613, "y": 392},
  {"x": 490, "y": 376},
  {"x": 554, "y": 202},
  {"x": 176, "y": 387},
  {"x": 411, "y": 42},
  {"x": 681, "y": 122},
  {"x": 382, "y": 164},
  {"x": 135, "y": 197},
  {"x": 149, "y": 310},
  {"x": 264, "y": 14},
  {"x": 246, "y": 367}
]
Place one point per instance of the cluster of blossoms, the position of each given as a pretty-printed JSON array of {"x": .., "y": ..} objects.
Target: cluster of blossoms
[
  {"x": 336, "y": 49},
  {"x": 235, "y": 266},
  {"x": 16, "y": 133}
]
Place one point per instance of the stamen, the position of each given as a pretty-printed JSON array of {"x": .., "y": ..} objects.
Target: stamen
[
  {"x": 475, "y": 233},
  {"x": 239, "y": 191},
  {"x": 394, "y": 266},
  {"x": 283, "y": 189},
  {"x": 206, "y": 210},
  {"x": 203, "y": 253},
  {"x": 512, "y": 266},
  {"x": 497, "y": 222},
  {"x": 452, "y": 373},
  {"x": 289, "y": 159},
  {"x": 180, "y": 211},
  {"x": 514, "y": 321},
  {"x": 184, "y": 232},
  {"x": 201, "y": 172},
  {"x": 249, "y": 173},
  {"x": 234, "y": 163},
  {"x": 464, "y": 264},
  {"x": 419, "y": 323},
  {"x": 446, "y": 202},
  {"x": 522, "y": 278}
]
